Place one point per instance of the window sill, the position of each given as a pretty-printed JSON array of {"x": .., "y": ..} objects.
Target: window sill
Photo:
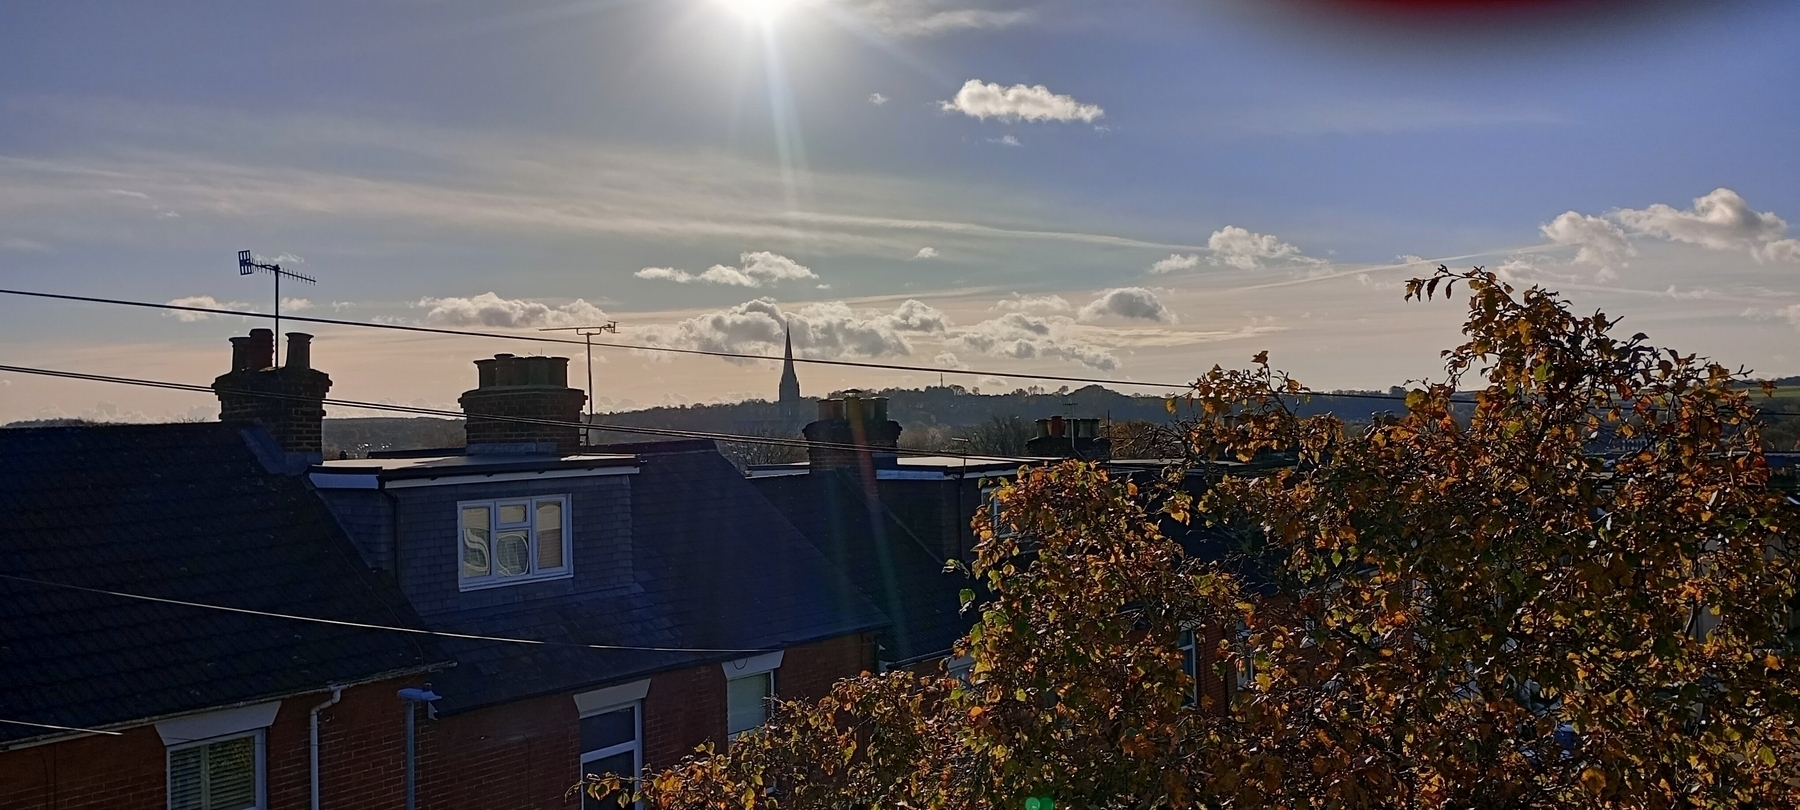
[{"x": 485, "y": 585}]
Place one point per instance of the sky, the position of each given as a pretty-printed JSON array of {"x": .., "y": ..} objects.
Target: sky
[{"x": 1133, "y": 191}]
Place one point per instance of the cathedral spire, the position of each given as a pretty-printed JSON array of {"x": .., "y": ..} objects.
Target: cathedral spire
[{"x": 790, "y": 382}]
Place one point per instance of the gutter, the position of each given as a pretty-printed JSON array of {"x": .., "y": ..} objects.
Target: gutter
[
  {"x": 337, "y": 692},
  {"x": 46, "y": 739}
]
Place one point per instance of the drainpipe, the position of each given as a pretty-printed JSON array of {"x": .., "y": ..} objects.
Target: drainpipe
[
  {"x": 336, "y": 693},
  {"x": 413, "y": 697}
]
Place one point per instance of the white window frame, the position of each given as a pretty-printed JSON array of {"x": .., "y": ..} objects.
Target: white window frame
[
  {"x": 1189, "y": 645},
  {"x": 960, "y": 668},
  {"x": 492, "y": 579},
  {"x": 755, "y": 666},
  {"x": 1246, "y": 667},
  {"x": 260, "y": 741},
  {"x": 635, "y": 746},
  {"x": 768, "y": 674},
  {"x": 990, "y": 498}
]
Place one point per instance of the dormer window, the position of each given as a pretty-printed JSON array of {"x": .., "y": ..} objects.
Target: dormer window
[{"x": 513, "y": 540}]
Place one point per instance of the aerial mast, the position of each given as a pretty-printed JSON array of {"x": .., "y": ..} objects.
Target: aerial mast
[
  {"x": 248, "y": 264},
  {"x": 587, "y": 334}
]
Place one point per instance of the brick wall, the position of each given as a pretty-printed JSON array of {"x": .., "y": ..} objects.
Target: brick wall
[
  {"x": 104, "y": 773},
  {"x": 687, "y": 707},
  {"x": 361, "y": 761},
  {"x": 522, "y": 754},
  {"x": 258, "y": 396},
  {"x": 555, "y": 403}
]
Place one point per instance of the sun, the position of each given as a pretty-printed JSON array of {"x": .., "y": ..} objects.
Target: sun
[{"x": 762, "y": 11}]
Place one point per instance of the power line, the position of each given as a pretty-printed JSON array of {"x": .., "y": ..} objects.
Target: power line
[
  {"x": 698, "y": 352},
  {"x": 62, "y": 728},
  {"x": 423, "y": 411},
  {"x": 628, "y": 346},
  {"x": 367, "y": 626}
]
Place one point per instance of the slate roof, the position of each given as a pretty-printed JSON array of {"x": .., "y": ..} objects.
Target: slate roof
[
  {"x": 715, "y": 566},
  {"x": 898, "y": 570},
  {"x": 180, "y": 511}
]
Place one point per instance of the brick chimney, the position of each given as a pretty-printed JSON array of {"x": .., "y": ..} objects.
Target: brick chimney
[
  {"x": 288, "y": 401},
  {"x": 1069, "y": 438},
  {"x": 511, "y": 387},
  {"x": 852, "y": 418}
]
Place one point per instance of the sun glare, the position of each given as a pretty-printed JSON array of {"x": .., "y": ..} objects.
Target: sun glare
[{"x": 758, "y": 10}]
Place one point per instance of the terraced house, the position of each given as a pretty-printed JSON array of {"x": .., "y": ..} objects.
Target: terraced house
[{"x": 580, "y": 611}]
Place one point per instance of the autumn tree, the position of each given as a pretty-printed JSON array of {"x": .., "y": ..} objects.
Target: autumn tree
[{"x": 1475, "y": 608}]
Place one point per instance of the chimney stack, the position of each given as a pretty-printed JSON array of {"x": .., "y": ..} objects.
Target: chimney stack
[
  {"x": 1070, "y": 438},
  {"x": 853, "y": 418},
  {"x": 510, "y": 387},
  {"x": 289, "y": 402}
]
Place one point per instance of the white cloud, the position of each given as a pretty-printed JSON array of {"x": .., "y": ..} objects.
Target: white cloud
[
  {"x": 1176, "y": 261},
  {"x": 1022, "y": 336},
  {"x": 824, "y": 330},
  {"x": 948, "y": 360},
  {"x": 1598, "y": 241},
  {"x": 1236, "y": 247},
  {"x": 759, "y": 268},
  {"x": 490, "y": 310},
  {"x": 1028, "y": 303},
  {"x": 925, "y": 253},
  {"x": 139, "y": 195},
  {"x": 1018, "y": 103},
  {"x": 1721, "y": 220},
  {"x": 295, "y": 304},
  {"x": 205, "y": 301},
  {"x": 877, "y": 99},
  {"x": 1006, "y": 140},
  {"x": 1130, "y": 303},
  {"x": 917, "y": 18},
  {"x": 1781, "y": 250}
]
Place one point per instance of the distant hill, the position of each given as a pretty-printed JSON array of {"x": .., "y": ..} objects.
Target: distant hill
[
  {"x": 951, "y": 409},
  {"x": 929, "y": 416}
]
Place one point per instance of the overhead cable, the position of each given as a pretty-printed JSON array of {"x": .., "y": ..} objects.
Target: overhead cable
[{"x": 369, "y": 626}]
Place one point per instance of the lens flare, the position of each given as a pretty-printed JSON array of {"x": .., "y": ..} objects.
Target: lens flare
[{"x": 762, "y": 11}]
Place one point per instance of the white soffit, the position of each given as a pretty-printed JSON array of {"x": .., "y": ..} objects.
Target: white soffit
[
  {"x": 612, "y": 697},
  {"x": 754, "y": 665},
  {"x": 206, "y": 726}
]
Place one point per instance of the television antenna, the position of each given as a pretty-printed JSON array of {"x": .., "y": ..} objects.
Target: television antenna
[
  {"x": 248, "y": 264},
  {"x": 587, "y": 333}
]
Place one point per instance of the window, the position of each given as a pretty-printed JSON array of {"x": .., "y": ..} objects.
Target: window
[
  {"x": 961, "y": 668},
  {"x": 510, "y": 541},
  {"x": 990, "y": 498},
  {"x": 1246, "y": 666},
  {"x": 223, "y": 774},
  {"x": 747, "y": 701},
  {"x": 611, "y": 742},
  {"x": 1190, "y": 664}
]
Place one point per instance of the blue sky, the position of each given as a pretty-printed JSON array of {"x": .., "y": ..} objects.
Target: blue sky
[{"x": 1137, "y": 189}]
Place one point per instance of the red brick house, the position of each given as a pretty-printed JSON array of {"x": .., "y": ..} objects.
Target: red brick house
[{"x": 589, "y": 611}]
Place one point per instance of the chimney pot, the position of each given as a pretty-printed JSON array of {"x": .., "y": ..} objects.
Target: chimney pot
[
  {"x": 510, "y": 387},
  {"x": 299, "y": 350},
  {"x": 1058, "y": 426},
  {"x": 289, "y": 402},
  {"x": 262, "y": 349},
  {"x": 240, "y": 354}
]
